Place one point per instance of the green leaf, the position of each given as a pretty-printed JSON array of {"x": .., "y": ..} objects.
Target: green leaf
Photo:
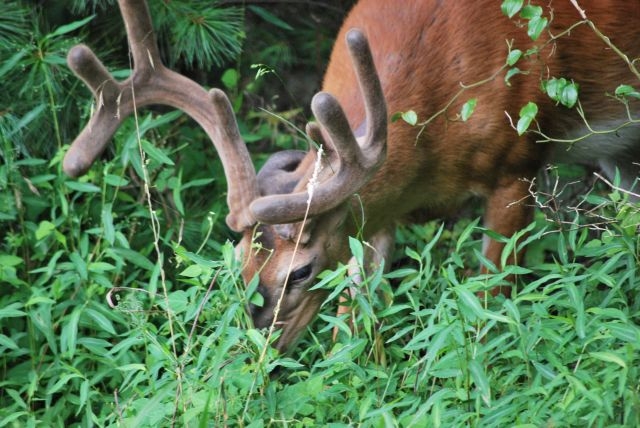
[
  {"x": 544, "y": 370},
  {"x": 256, "y": 338},
  {"x": 527, "y": 115},
  {"x": 192, "y": 271},
  {"x": 100, "y": 267},
  {"x": 175, "y": 184},
  {"x": 471, "y": 301},
  {"x": 64, "y": 29},
  {"x": 609, "y": 357},
  {"x": 569, "y": 96},
  {"x": 45, "y": 228},
  {"x": 115, "y": 180},
  {"x": 627, "y": 91},
  {"x": 102, "y": 321},
  {"x": 535, "y": 27},
  {"x": 82, "y": 187},
  {"x": 64, "y": 379},
  {"x": 135, "y": 258},
  {"x": 155, "y": 153},
  {"x": 578, "y": 304},
  {"x": 357, "y": 250},
  {"x": 269, "y": 17},
  {"x": 561, "y": 91},
  {"x": 230, "y": 78},
  {"x": 9, "y": 260},
  {"x": 513, "y": 57},
  {"x": 257, "y": 299},
  {"x": 8, "y": 343},
  {"x": 411, "y": 117},
  {"x": 107, "y": 223},
  {"x": 468, "y": 108},
  {"x": 69, "y": 333},
  {"x": 511, "y": 7},
  {"x": 79, "y": 264},
  {"x": 132, "y": 367},
  {"x": 178, "y": 301},
  {"x": 510, "y": 73},
  {"x": 12, "y": 311},
  {"x": 531, "y": 11},
  {"x": 481, "y": 381}
]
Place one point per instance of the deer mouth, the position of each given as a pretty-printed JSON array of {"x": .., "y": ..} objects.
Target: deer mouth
[{"x": 298, "y": 319}]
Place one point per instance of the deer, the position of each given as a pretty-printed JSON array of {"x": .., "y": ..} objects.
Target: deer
[{"x": 366, "y": 173}]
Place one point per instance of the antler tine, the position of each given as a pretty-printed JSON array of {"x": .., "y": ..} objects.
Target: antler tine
[
  {"x": 142, "y": 38},
  {"x": 152, "y": 83},
  {"x": 358, "y": 161}
]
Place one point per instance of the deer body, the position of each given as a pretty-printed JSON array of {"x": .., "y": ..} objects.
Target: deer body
[
  {"x": 375, "y": 173},
  {"x": 423, "y": 51}
]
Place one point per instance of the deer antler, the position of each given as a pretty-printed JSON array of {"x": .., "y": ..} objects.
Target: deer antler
[
  {"x": 152, "y": 83},
  {"x": 357, "y": 161}
]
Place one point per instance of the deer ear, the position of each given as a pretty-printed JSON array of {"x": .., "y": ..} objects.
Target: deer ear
[{"x": 281, "y": 173}]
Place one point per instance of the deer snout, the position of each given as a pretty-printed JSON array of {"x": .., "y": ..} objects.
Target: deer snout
[{"x": 262, "y": 315}]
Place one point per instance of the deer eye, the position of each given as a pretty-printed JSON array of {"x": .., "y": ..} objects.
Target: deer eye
[{"x": 300, "y": 275}]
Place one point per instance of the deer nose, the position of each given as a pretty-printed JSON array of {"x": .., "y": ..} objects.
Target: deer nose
[{"x": 259, "y": 314}]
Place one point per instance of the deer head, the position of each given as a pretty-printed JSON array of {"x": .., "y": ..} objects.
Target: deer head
[{"x": 284, "y": 212}]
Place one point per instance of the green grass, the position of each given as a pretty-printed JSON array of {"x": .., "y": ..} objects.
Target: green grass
[{"x": 178, "y": 348}]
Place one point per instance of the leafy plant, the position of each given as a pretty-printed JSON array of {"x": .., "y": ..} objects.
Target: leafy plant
[{"x": 105, "y": 323}]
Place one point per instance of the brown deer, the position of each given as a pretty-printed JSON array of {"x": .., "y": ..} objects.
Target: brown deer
[{"x": 415, "y": 55}]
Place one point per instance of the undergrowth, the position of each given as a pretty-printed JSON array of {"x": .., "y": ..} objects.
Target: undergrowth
[{"x": 87, "y": 337}]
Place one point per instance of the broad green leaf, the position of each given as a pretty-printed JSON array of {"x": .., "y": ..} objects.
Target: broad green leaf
[
  {"x": 535, "y": 27},
  {"x": 230, "y": 78},
  {"x": 627, "y": 91},
  {"x": 468, "y": 108},
  {"x": 527, "y": 115},
  {"x": 510, "y": 73},
  {"x": 45, "y": 228},
  {"x": 8, "y": 260},
  {"x": 531, "y": 11},
  {"x": 513, "y": 57},
  {"x": 511, "y": 7},
  {"x": 178, "y": 301},
  {"x": 569, "y": 96},
  {"x": 192, "y": 271},
  {"x": 411, "y": 117}
]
